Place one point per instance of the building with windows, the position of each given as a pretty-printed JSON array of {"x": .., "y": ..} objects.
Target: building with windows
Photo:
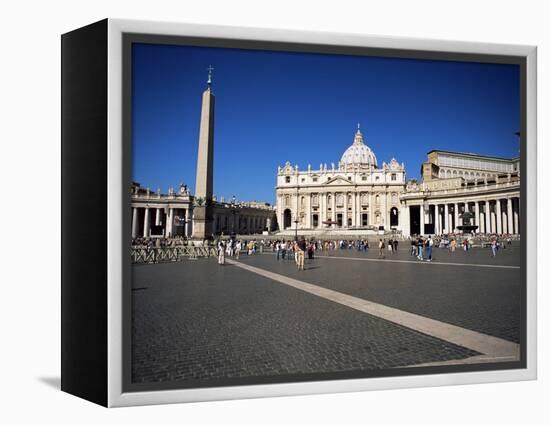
[
  {"x": 358, "y": 196},
  {"x": 447, "y": 165}
]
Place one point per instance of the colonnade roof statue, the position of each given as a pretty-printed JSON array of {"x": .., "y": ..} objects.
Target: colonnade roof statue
[{"x": 359, "y": 154}]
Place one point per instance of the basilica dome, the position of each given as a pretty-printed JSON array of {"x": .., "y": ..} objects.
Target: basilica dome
[{"x": 359, "y": 154}]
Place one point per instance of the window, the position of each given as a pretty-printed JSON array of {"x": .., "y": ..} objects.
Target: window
[
  {"x": 363, "y": 178},
  {"x": 393, "y": 176},
  {"x": 287, "y": 179},
  {"x": 314, "y": 179},
  {"x": 315, "y": 220}
]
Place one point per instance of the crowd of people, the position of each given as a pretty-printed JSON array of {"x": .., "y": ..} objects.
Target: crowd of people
[{"x": 421, "y": 247}]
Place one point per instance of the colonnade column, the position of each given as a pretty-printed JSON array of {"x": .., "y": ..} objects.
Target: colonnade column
[
  {"x": 436, "y": 219},
  {"x": 421, "y": 219},
  {"x": 169, "y": 221},
  {"x": 134, "y": 222},
  {"x": 487, "y": 217},
  {"x": 509, "y": 216},
  {"x": 146, "y": 224},
  {"x": 188, "y": 222},
  {"x": 499, "y": 217},
  {"x": 516, "y": 216},
  {"x": 456, "y": 215},
  {"x": 157, "y": 217},
  {"x": 478, "y": 224},
  {"x": 446, "y": 223}
]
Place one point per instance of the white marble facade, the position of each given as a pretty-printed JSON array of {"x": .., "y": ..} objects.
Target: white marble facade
[{"x": 355, "y": 193}]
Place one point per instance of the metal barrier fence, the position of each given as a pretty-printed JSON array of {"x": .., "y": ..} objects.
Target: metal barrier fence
[{"x": 169, "y": 254}]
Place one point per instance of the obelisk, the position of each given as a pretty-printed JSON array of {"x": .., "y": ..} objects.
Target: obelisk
[{"x": 202, "y": 210}]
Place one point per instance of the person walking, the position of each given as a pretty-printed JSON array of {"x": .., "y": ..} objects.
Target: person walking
[
  {"x": 300, "y": 253},
  {"x": 221, "y": 253},
  {"x": 381, "y": 247},
  {"x": 238, "y": 248},
  {"x": 494, "y": 246},
  {"x": 413, "y": 247},
  {"x": 310, "y": 250},
  {"x": 429, "y": 247},
  {"x": 395, "y": 243},
  {"x": 420, "y": 245},
  {"x": 453, "y": 245}
]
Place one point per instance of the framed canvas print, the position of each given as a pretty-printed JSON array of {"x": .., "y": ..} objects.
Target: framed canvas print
[{"x": 251, "y": 212}]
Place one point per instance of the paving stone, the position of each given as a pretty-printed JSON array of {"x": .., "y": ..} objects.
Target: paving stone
[{"x": 195, "y": 320}]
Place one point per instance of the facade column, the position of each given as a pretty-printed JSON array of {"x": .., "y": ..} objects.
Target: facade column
[
  {"x": 345, "y": 215},
  {"x": 405, "y": 221},
  {"x": 456, "y": 216},
  {"x": 499, "y": 217},
  {"x": 146, "y": 224},
  {"x": 353, "y": 209},
  {"x": 386, "y": 214},
  {"x": 509, "y": 216},
  {"x": 436, "y": 219},
  {"x": 134, "y": 222},
  {"x": 446, "y": 223},
  {"x": 333, "y": 196},
  {"x": 516, "y": 215},
  {"x": 477, "y": 217},
  {"x": 421, "y": 219},
  {"x": 322, "y": 207},
  {"x": 487, "y": 217},
  {"x": 372, "y": 208},
  {"x": 296, "y": 214},
  {"x": 358, "y": 210},
  {"x": 308, "y": 211}
]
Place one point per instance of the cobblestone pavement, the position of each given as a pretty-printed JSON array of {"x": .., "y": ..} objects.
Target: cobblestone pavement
[
  {"x": 197, "y": 322},
  {"x": 483, "y": 299}
]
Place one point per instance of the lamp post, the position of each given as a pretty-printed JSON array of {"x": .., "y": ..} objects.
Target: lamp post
[{"x": 296, "y": 228}]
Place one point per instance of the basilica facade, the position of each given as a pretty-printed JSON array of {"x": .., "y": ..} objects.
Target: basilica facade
[{"x": 358, "y": 196}]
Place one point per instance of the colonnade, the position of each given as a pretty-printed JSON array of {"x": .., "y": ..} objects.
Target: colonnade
[
  {"x": 179, "y": 221},
  {"x": 500, "y": 215},
  {"x": 143, "y": 218}
]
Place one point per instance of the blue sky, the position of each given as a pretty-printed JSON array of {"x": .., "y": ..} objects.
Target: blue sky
[{"x": 274, "y": 106}]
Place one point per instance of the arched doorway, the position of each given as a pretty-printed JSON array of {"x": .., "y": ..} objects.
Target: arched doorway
[
  {"x": 287, "y": 219},
  {"x": 394, "y": 217}
]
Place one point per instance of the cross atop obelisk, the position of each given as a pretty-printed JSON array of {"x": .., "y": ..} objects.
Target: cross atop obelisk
[
  {"x": 210, "y": 69},
  {"x": 202, "y": 212}
]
